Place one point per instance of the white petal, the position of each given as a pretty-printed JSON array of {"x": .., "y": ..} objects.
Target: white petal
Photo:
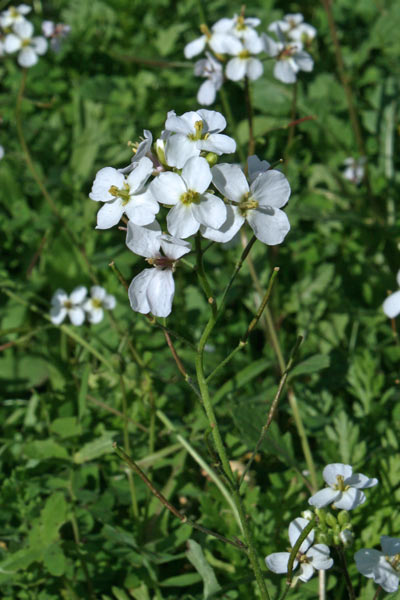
[
  {"x": 27, "y": 58},
  {"x": 324, "y": 497},
  {"x": 76, "y": 315},
  {"x": 254, "y": 69},
  {"x": 174, "y": 247},
  {"x": 160, "y": 292},
  {"x": 110, "y": 214},
  {"x": 225, "y": 44},
  {"x": 39, "y": 44},
  {"x": 230, "y": 181},
  {"x": 167, "y": 188},
  {"x": 271, "y": 189},
  {"x": 197, "y": 174},
  {"x": 109, "y": 302},
  {"x": 236, "y": 69},
  {"x": 59, "y": 297},
  {"x": 278, "y": 562},
  {"x": 195, "y": 47},
  {"x": 104, "y": 180},
  {"x": 207, "y": 93},
  {"x": 306, "y": 571},
  {"x": 181, "y": 222},
  {"x": 144, "y": 241},
  {"x": 58, "y": 314},
  {"x": 140, "y": 174},
  {"x": 210, "y": 212},
  {"x": 98, "y": 292},
  {"x": 284, "y": 71},
  {"x": 228, "y": 230},
  {"x": 137, "y": 291},
  {"x": 24, "y": 29},
  {"x": 358, "y": 480},
  {"x": 320, "y": 558},
  {"x": 270, "y": 225},
  {"x": 96, "y": 315},
  {"x": 78, "y": 294},
  {"x": 398, "y": 277},
  {"x": 179, "y": 148},
  {"x": 391, "y": 306},
  {"x": 213, "y": 121},
  {"x": 142, "y": 208},
  {"x": 367, "y": 561},
  {"x": 12, "y": 43},
  {"x": 271, "y": 47},
  {"x": 390, "y": 545},
  {"x": 350, "y": 499},
  {"x": 253, "y": 43},
  {"x": 331, "y": 472},
  {"x": 304, "y": 61},
  {"x": 295, "y": 529},
  {"x": 184, "y": 124},
  {"x": 218, "y": 143},
  {"x": 255, "y": 166},
  {"x": 24, "y": 9},
  {"x": 374, "y": 565}
]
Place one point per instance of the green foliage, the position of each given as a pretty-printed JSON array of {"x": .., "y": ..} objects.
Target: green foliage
[{"x": 75, "y": 522}]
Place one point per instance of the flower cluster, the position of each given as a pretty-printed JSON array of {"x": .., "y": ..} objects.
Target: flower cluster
[
  {"x": 175, "y": 172},
  {"x": 342, "y": 492},
  {"x": 55, "y": 32},
  {"x": 233, "y": 47},
  {"x": 77, "y": 306},
  {"x": 18, "y": 36}
]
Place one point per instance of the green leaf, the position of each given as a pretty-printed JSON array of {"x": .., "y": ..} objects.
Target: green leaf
[
  {"x": 43, "y": 449},
  {"x": 92, "y": 450},
  {"x": 54, "y": 560},
  {"x": 240, "y": 379},
  {"x": 312, "y": 364},
  {"x": 196, "y": 557},
  {"x": 181, "y": 580}
]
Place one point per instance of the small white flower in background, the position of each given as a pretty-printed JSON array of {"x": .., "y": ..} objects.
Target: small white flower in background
[
  {"x": 153, "y": 289},
  {"x": 294, "y": 27},
  {"x": 344, "y": 488},
  {"x": 14, "y": 15},
  {"x": 290, "y": 57},
  {"x": 259, "y": 204},
  {"x": 311, "y": 558},
  {"x": 95, "y": 305},
  {"x": 216, "y": 39},
  {"x": 124, "y": 195},
  {"x": 64, "y": 305},
  {"x": 56, "y": 32},
  {"x": 212, "y": 70},
  {"x": 244, "y": 64},
  {"x": 194, "y": 132},
  {"x": 355, "y": 169},
  {"x": 240, "y": 26},
  {"x": 192, "y": 205},
  {"x": 29, "y": 47},
  {"x": 391, "y": 306},
  {"x": 382, "y": 567},
  {"x": 1, "y": 152}
]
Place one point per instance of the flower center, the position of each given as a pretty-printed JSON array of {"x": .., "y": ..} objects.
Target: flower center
[
  {"x": 247, "y": 203},
  {"x": 68, "y": 304},
  {"x": 124, "y": 194},
  {"x": 13, "y": 12},
  {"x": 287, "y": 52},
  {"x": 394, "y": 562},
  {"x": 96, "y": 303},
  {"x": 161, "y": 262},
  {"x": 26, "y": 42},
  {"x": 198, "y": 127},
  {"x": 244, "y": 54},
  {"x": 340, "y": 485},
  {"x": 190, "y": 197}
]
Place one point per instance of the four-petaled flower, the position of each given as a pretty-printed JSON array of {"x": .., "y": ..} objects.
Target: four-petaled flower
[
  {"x": 194, "y": 132},
  {"x": 244, "y": 64},
  {"x": 153, "y": 289},
  {"x": 310, "y": 558},
  {"x": 382, "y": 567},
  {"x": 95, "y": 305},
  {"x": 63, "y": 305},
  {"x": 192, "y": 205},
  {"x": 124, "y": 195},
  {"x": 14, "y": 15},
  {"x": 294, "y": 27},
  {"x": 290, "y": 57},
  {"x": 217, "y": 39},
  {"x": 29, "y": 47},
  {"x": 259, "y": 204},
  {"x": 344, "y": 487}
]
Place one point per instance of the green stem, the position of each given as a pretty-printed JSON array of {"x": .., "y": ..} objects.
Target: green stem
[
  {"x": 201, "y": 274},
  {"x": 132, "y": 487}
]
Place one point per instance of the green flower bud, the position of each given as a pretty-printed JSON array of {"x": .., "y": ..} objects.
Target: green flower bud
[
  {"x": 343, "y": 517},
  {"x": 211, "y": 158}
]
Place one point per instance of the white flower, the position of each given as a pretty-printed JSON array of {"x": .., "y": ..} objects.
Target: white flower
[
  {"x": 290, "y": 58},
  {"x": 192, "y": 205},
  {"x": 382, "y": 567},
  {"x": 56, "y": 32},
  {"x": 14, "y": 15},
  {"x": 258, "y": 203},
  {"x": 218, "y": 41},
  {"x": 355, "y": 169},
  {"x": 29, "y": 47},
  {"x": 391, "y": 306},
  {"x": 71, "y": 306},
  {"x": 244, "y": 64},
  {"x": 344, "y": 487},
  {"x": 311, "y": 559},
  {"x": 240, "y": 26},
  {"x": 124, "y": 195},
  {"x": 211, "y": 69},
  {"x": 194, "y": 132},
  {"x": 95, "y": 305},
  {"x": 295, "y": 28},
  {"x": 153, "y": 289}
]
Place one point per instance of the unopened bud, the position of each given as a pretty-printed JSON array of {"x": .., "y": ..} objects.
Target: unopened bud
[
  {"x": 343, "y": 517},
  {"x": 211, "y": 158}
]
